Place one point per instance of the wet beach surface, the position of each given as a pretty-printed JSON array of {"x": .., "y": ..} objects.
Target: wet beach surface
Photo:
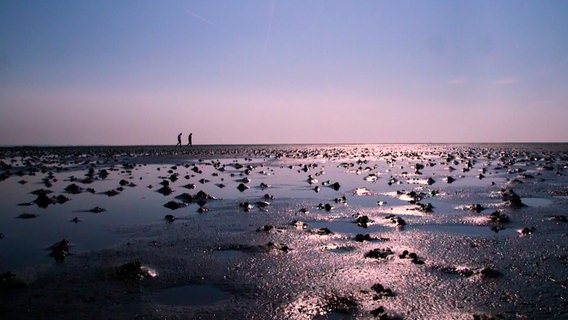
[{"x": 285, "y": 232}]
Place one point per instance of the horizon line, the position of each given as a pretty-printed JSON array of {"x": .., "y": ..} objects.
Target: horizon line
[{"x": 264, "y": 144}]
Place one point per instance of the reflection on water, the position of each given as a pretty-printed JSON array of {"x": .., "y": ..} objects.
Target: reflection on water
[
  {"x": 537, "y": 202},
  {"x": 466, "y": 230},
  {"x": 346, "y": 228},
  {"x": 228, "y": 254},
  {"x": 192, "y": 295}
]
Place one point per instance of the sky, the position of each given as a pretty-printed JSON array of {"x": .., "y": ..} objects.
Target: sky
[{"x": 78, "y": 72}]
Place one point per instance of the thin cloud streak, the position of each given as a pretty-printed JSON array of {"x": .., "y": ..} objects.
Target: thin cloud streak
[
  {"x": 269, "y": 29},
  {"x": 207, "y": 21}
]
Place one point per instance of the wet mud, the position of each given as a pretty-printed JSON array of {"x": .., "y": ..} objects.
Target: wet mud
[{"x": 296, "y": 232}]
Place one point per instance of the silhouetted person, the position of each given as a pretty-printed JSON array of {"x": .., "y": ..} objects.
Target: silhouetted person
[
  {"x": 179, "y": 140},
  {"x": 189, "y": 139}
]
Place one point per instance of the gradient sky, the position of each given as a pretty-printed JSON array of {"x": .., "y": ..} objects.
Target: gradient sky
[{"x": 242, "y": 72}]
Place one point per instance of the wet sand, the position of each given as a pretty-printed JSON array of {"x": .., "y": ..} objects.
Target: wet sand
[{"x": 317, "y": 232}]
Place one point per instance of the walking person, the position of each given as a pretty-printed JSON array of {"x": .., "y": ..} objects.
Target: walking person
[
  {"x": 189, "y": 143},
  {"x": 179, "y": 140}
]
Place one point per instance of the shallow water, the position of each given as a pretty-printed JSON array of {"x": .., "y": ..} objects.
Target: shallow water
[
  {"x": 285, "y": 270},
  {"x": 191, "y": 295},
  {"x": 466, "y": 230},
  {"x": 537, "y": 202}
]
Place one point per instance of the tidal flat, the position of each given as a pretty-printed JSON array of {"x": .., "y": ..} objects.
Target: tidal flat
[{"x": 391, "y": 231}]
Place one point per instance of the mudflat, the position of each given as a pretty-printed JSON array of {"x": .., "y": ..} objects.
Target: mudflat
[{"x": 429, "y": 231}]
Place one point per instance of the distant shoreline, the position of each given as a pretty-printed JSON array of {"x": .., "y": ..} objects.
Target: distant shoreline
[
  {"x": 275, "y": 145},
  {"x": 172, "y": 153}
]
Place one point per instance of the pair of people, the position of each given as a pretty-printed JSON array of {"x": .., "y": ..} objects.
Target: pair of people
[{"x": 189, "y": 143}]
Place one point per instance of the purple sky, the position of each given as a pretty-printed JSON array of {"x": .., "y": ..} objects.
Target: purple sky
[{"x": 242, "y": 72}]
